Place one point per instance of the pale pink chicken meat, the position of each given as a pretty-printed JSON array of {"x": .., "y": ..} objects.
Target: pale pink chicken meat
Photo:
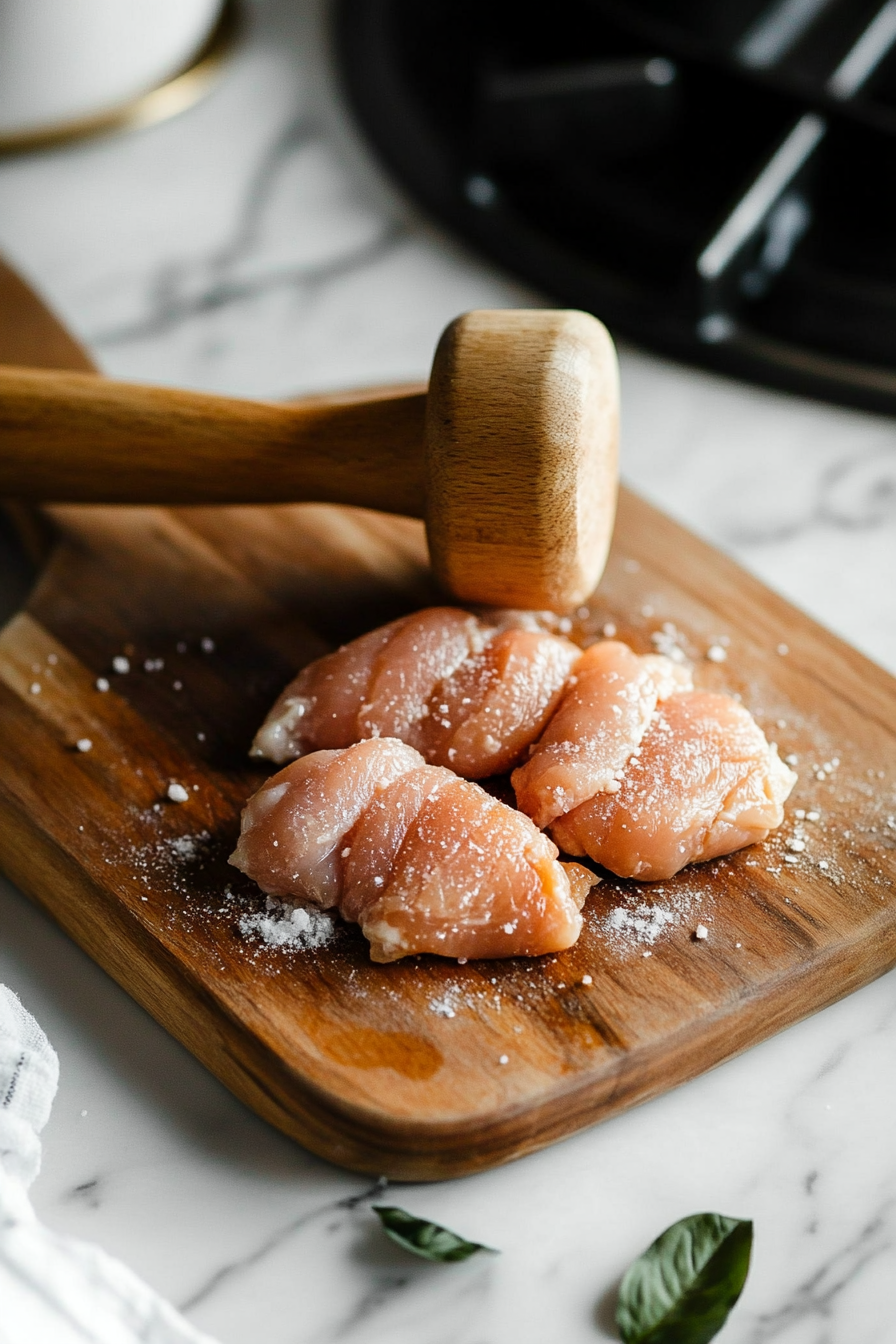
[
  {"x": 706, "y": 783},
  {"x": 598, "y": 727},
  {"x": 469, "y": 693},
  {"x": 422, "y": 860}
]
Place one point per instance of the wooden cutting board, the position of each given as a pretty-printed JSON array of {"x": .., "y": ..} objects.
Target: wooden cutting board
[{"x": 398, "y": 1069}]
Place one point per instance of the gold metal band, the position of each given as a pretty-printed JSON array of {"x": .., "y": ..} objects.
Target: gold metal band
[{"x": 166, "y": 100}]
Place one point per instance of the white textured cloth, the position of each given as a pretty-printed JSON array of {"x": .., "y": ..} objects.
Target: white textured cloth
[{"x": 54, "y": 1289}]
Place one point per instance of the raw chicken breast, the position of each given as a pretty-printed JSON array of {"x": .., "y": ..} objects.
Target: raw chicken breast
[
  {"x": 422, "y": 860},
  {"x": 600, "y": 723},
  {"x": 293, "y": 827},
  {"x": 468, "y": 692},
  {"x": 705, "y": 783}
]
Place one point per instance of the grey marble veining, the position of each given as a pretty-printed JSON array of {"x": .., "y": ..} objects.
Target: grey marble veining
[{"x": 252, "y": 247}]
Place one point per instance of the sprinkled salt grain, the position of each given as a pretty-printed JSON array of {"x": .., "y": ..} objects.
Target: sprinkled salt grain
[
  {"x": 823, "y": 863},
  {"x": 647, "y": 611},
  {"x": 504, "y": 1059},
  {"x": 583, "y": 613},
  {"x": 509, "y": 928},
  {"x": 783, "y": 650},
  {"x": 795, "y": 845},
  {"x": 800, "y": 813},
  {"x": 292, "y": 926},
  {"x": 153, "y": 664},
  {"x": 737, "y": 944},
  {"x": 646, "y": 954},
  {"x": 716, "y": 654},
  {"x": 812, "y": 816},
  {"x": 462, "y": 961},
  {"x": 346, "y": 852},
  {"x": 701, "y": 932},
  {"x": 35, "y": 688},
  {"x": 177, "y": 793},
  {"x": 84, "y": 744},
  {"x": 586, "y": 980},
  {"x": 102, "y": 684},
  {"x": 441, "y": 1007},
  {"x": 791, "y": 858},
  {"x": 792, "y": 759},
  {"x": 200, "y": 737},
  {"x": 121, "y": 664},
  {"x": 206, "y": 644},
  {"x": 780, "y": 723},
  {"x": 564, "y": 625},
  {"x": 178, "y": 685},
  {"x": 608, "y": 630}
]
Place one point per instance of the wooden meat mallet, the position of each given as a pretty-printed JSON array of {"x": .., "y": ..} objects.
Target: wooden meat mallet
[{"x": 511, "y": 456}]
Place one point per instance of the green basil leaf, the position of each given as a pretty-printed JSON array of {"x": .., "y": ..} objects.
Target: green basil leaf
[
  {"x": 427, "y": 1239},
  {"x": 682, "y": 1288}
]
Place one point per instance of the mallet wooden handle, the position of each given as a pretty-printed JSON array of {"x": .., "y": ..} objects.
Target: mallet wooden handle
[
  {"x": 78, "y": 437},
  {"x": 510, "y": 455}
]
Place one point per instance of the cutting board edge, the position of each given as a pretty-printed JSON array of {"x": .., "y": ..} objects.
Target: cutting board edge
[{"x": 365, "y": 1140}]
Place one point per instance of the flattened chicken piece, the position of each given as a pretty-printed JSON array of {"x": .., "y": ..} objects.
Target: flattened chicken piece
[
  {"x": 319, "y": 709},
  {"x": 468, "y": 692},
  {"x": 473, "y": 878},
  {"x": 482, "y": 719},
  {"x": 424, "y": 861},
  {"x": 293, "y": 828},
  {"x": 599, "y": 725},
  {"x": 705, "y": 784}
]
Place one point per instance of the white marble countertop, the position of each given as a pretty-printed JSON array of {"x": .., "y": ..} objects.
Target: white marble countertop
[{"x": 252, "y": 246}]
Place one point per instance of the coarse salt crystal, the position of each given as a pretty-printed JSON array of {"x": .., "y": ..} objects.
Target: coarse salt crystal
[
  {"x": 783, "y": 649},
  {"x": 586, "y": 980},
  {"x": 716, "y": 654},
  {"x": 206, "y": 644},
  {"x": 792, "y": 759},
  {"x": 121, "y": 664},
  {"x": 701, "y": 932},
  {"x": 35, "y": 688},
  {"x": 102, "y": 684},
  {"x": 84, "y": 744},
  {"x": 800, "y": 813},
  {"x": 177, "y": 793},
  {"x": 178, "y": 685},
  {"x": 795, "y": 845},
  {"x": 564, "y": 625},
  {"x": 504, "y": 1059},
  {"x": 812, "y": 816},
  {"x": 608, "y": 630},
  {"x": 200, "y": 737}
]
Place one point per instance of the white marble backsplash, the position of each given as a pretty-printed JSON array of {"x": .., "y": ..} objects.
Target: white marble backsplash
[{"x": 251, "y": 246}]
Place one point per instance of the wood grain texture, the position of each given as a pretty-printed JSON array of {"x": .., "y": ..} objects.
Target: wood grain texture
[
  {"x": 522, "y": 427},
  {"x": 75, "y": 436},
  {"x": 360, "y": 1062},
  {"x": 395, "y": 1069},
  {"x": 511, "y": 459}
]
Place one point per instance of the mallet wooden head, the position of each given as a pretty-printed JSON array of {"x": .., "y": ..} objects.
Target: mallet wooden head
[
  {"x": 521, "y": 455},
  {"x": 510, "y": 457}
]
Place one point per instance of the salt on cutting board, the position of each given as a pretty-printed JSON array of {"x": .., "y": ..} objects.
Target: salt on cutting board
[{"x": 162, "y": 637}]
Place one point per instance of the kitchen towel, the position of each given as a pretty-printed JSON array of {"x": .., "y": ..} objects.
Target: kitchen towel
[{"x": 55, "y": 1289}]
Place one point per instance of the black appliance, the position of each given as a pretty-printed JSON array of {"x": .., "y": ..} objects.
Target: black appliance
[{"x": 716, "y": 180}]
